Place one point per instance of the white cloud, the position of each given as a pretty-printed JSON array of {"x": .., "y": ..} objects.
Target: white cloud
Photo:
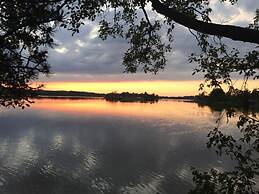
[
  {"x": 94, "y": 32},
  {"x": 81, "y": 43},
  {"x": 61, "y": 50}
]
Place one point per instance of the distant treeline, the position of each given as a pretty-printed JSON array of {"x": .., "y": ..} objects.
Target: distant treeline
[
  {"x": 114, "y": 96},
  {"x": 131, "y": 97},
  {"x": 48, "y": 93}
]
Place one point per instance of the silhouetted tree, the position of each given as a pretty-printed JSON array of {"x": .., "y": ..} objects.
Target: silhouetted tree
[
  {"x": 243, "y": 150},
  {"x": 27, "y": 30},
  {"x": 217, "y": 93}
]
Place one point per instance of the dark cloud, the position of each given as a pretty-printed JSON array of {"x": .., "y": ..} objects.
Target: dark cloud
[
  {"x": 84, "y": 53},
  {"x": 85, "y": 57}
]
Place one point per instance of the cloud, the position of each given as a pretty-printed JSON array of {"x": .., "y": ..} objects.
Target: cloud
[
  {"x": 242, "y": 13},
  {"x": 61, "y": 50},
  {"x": 84, "y": 57},
  {"x": 87, "y": 55}
]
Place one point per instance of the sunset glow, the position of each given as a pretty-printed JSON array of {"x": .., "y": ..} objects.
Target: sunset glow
[
  {"x": 157, "y": 87},
  {"x": 170, "y": 88}
]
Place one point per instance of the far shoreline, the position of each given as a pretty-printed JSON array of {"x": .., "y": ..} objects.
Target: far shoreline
[{"x": 61, "y": 94}]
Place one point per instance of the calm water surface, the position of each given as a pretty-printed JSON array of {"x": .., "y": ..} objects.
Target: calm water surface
[{"x": 94, "y": 146}]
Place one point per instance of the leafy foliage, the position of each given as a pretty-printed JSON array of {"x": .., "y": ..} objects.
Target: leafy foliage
[
  {"x": 27, "y": 30},
  {"x": 243, "y": 151},
  {"x": 218, "y": 62}
]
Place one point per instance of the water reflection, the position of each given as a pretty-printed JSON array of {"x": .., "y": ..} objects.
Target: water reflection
[{"x": 93, "y": 146}]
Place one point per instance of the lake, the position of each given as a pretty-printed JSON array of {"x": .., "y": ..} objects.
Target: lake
[{"x": 62, "y": 146}]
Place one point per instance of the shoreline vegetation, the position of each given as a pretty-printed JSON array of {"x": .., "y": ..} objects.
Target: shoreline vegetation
[
  {"x": 233, "y": 99},
  {"x": 113, "y": 96},
  {"x": 66, "y": 94},
  {"x": 216, "y": 98}
]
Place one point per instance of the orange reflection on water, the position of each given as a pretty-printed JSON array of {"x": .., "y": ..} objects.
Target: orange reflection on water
[{"x": 164, "y": 109}]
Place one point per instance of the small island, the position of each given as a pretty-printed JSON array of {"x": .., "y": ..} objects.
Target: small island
[{"x": 131, "y": 97}]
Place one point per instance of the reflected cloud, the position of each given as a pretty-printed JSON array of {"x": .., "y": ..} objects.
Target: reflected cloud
[
  {"x": 21, "y": 152},
  {"x": 57, "y": 142}
]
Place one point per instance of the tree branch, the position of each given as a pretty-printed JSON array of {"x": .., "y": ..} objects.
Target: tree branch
[
  {"x": 145, "y": 13},
  {"x": 228, "y": 31}
]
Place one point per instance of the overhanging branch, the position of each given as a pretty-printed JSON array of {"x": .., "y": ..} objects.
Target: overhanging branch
[{"x": 228, "y": 31}]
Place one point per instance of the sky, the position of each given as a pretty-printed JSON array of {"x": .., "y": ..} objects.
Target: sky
[{"x": 86, "y": 63}]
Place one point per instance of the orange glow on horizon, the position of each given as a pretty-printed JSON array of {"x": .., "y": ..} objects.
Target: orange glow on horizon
[
  {"x": 169, "y": 88},
  {"x": 157, "y": 87}
]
